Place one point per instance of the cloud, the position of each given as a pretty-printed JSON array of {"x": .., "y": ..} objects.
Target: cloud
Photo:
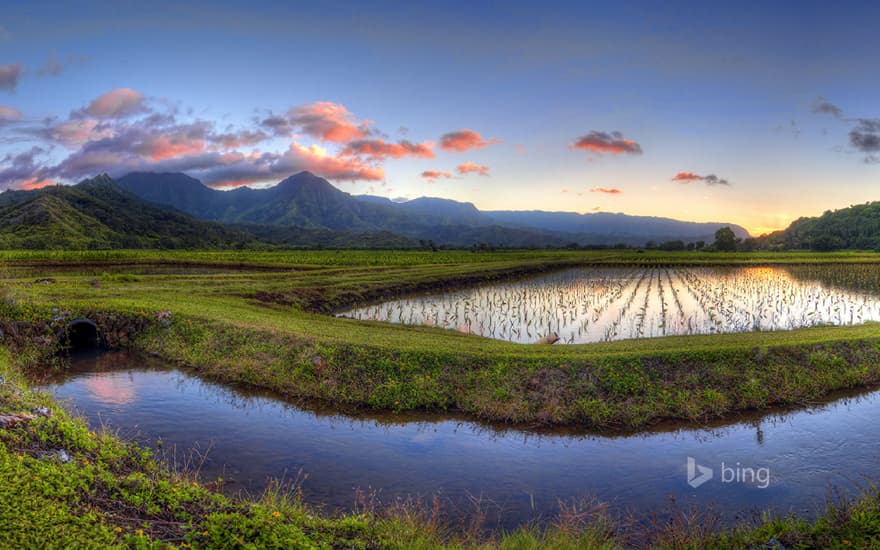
[
  {"x": 379, "y": 149},
  {"x": 686, "y": 177},
  {"x": 864, "y": 136},
  {"x": 54, "y": 65},
  {"x": 9, "y": 75},
  {"x": 238, "y": 139},
  {"x": 35, "y": 183},
  {"x": 118, "y": 103},
  {"x": 822, "y": 106},
  {"x": 605, "y": 142},
  {"x": 464, "y": 140},
  {"x": 323, "y": 120},
  {"x": 709, "y": 179},
  {"x": 9, "y": 114},
  {"x": 470, "y": 167},
  {"x": 606, "y": 190},
  {"x": 19, "y": 169},
  {"x": 117, "y": 133},
  {"x": 434, "y": 175},
  {"x": 76, "y": 132}
]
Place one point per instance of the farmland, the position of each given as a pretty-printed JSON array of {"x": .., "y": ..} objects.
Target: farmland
[{"x": 261, "y": 319}]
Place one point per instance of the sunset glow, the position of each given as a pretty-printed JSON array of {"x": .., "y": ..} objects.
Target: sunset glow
[{"x": 690, "y": 125}]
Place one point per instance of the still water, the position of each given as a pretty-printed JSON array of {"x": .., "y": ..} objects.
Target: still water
[
  {"x": 602, "y": 304},
  {"x": 518, "y": 475}
]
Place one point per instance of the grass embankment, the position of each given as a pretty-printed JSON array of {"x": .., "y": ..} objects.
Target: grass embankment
[
  {"x": 261, "y": 328},
  {"x": 64, "y": 486}
]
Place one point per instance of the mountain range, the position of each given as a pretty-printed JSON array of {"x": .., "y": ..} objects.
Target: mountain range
[
  {"x": 308, "y": 201},
  {"x": 173, "y": 210}
]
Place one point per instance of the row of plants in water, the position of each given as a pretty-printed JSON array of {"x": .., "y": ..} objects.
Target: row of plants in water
[{"x": 605, "y": 304}]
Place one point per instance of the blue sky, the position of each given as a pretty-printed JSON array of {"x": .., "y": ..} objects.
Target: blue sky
[{"x": 698, "y": 89}]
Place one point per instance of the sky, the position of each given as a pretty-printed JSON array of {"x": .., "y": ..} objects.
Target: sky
[{"x": 754, "y": 113}]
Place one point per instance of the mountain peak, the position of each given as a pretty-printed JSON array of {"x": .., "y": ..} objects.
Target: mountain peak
[
  {"x": 306, "y": 181},
  {"x": 100, "y": 179}
]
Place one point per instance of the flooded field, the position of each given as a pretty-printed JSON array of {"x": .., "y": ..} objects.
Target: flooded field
[
  {"x": 603, "y": 304},
  {"x": 517, "y": 476}
]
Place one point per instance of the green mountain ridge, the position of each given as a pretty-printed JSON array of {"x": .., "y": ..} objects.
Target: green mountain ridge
[{"x": 97, "y": 213}]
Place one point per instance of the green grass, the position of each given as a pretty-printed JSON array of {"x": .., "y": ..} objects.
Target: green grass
[
  {"x": 108, "y": 493},
  {"x": 261, "y": 328}
]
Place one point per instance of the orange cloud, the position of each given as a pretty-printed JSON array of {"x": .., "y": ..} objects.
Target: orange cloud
[
  {"x": 605, "y": 142},
  {"x": 117, "y": 103},
  {"x": 315, "y": 159},
  {"x": 35, "y": 183},
  {"x": 434, "y": 175},
  {"x": 464, "y": 140},
  {"x": 686, "y": 177},
  {"x": 328, "y": 121},
  {"x": 607, "y": 190},
  {"x": 469, "y": 167},
  {"x": 379, "y": 149}
]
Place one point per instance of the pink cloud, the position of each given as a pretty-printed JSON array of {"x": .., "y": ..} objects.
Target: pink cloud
[
  {"x": 434, "y": 175},
  {"x": 464, "y": 140},
  {"x": 470, "y": 167},
  {"x": 379, "y": 149},
  {"x": 169, "y": 146},
  {"x": 605, "y": 142},
  {"x": 327, "y": 121},
  {"x": 709, "y": 179},
  {"x": 118, "y": 103},
  {"x": 606, "y": 190},
  {"x": 76, "y": 132}
]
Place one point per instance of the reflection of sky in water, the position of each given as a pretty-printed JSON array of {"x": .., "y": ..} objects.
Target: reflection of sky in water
[
  {"x": 254, "y": 437},
  {"x": 110, "y": 390},
  {"x": 600, "y": 304}
]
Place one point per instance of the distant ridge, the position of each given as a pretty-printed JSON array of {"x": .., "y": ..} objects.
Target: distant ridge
[{"x": 306, "y": 200}]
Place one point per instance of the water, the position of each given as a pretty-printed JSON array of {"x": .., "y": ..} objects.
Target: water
[
  {"x": 519, "y": 475},
  {"x": 601, "y": 304}
]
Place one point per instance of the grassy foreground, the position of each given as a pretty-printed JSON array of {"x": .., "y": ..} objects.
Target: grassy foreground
[
  {"x": 64, "y": 486},
  {"x": 260, "y": 319}
]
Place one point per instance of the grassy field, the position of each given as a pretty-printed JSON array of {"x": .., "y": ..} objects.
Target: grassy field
[
  {"x": 259, "y": 318},
  {"x": 64, "y": 486},
  {"x": 267, "y": 328}
]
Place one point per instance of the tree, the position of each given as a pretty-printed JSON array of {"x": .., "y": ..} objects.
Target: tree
[{"x": 725, "y": 239}]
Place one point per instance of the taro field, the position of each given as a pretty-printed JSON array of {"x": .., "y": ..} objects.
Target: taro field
[{"x": 602, "y": 304}]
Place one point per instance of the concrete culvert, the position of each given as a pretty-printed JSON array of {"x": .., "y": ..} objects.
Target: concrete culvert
[{"x": 82, "y": 334}]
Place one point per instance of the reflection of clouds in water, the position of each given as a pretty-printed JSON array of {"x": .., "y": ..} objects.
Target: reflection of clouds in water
[{"x": 113, "y": 390}]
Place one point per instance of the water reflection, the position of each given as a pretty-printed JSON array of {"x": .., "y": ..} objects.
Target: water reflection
[
  {"x": 602, "y": 304},
  {"x": 252, "y": 437}
]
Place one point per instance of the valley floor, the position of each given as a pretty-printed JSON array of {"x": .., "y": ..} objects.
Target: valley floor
[{"x": 260, "y": 319}]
